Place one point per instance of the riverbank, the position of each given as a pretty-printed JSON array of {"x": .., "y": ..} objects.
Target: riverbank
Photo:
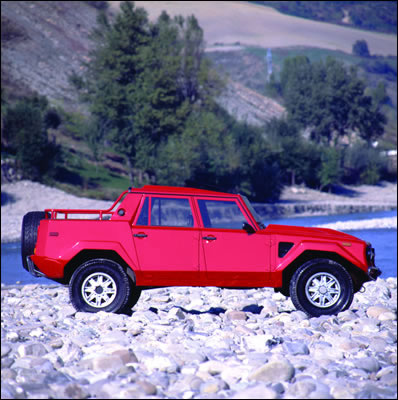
[
  {"x": 188, "y": 343},
  {"x": 296, "y": 200},
  {"x": 21, "y": 197}
]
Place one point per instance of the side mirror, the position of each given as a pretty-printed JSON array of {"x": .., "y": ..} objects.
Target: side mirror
[{"x": 248, "y": 228}]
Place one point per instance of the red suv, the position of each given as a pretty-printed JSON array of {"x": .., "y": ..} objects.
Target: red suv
[{"x": 158, "y": 236}]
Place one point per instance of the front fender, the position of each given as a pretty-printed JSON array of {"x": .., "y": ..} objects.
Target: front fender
[{"x": 354, "y": 253}]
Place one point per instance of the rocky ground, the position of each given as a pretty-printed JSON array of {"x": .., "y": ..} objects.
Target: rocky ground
[
  {"x": 190, "y": 342},
  {"x": 198, "y": 343}
]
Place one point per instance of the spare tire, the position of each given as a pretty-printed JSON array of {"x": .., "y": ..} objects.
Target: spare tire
[{"x": 30, "y": 223}]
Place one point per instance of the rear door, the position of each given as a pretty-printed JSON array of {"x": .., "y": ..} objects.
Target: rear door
[
  {"x": 232, "y": 256},
  {"x": 166, "y": 237}
]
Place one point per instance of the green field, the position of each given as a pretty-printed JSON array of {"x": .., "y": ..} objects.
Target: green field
[{"x": 379, "y": 16}]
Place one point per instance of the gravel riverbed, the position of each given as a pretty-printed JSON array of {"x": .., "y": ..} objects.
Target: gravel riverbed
[{"x": 198, "y": 343}]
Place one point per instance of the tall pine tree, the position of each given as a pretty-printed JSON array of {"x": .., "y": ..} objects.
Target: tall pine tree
[{"x": 143, "y": 82}]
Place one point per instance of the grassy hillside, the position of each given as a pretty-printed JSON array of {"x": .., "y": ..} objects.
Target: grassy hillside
[{"x": 379, "y": 16}]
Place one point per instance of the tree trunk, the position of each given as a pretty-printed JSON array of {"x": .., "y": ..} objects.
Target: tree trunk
[
  {"x": 130, "y": 171},
  {"x": 293, "y": 178}
]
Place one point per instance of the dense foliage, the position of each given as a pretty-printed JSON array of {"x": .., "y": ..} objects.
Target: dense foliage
[
  {"x": 152, "y": 94},
  {"x": 153, "y": 100},
  {"x": 24, "y": 135},
  {"x": 360, "y": 48},
  {"x": 329, "y": 101},
  {"x": 378, "y": 16}
]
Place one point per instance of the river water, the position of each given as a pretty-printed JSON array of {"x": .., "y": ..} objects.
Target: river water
[{"x": 383, "y": 240}]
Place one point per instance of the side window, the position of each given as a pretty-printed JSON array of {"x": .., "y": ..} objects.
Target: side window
[
  {"x": 221, "y": 214},
  {"x": 143, "y": 218},
  {"x": 171, "y": 212}
]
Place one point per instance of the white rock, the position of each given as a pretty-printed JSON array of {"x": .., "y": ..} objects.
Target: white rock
[
  {"x": 36, "y": 332},
  {"x": 258, "y": 342},
  {"x": 274, "y": 371},
  {"x": 12, "y": 336}
]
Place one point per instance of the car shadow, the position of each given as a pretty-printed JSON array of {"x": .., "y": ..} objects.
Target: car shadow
[{"x": 253, "y": 308}]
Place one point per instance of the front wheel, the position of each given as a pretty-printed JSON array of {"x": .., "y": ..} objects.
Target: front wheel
[
  {"x": 321, "y": 287},
  {"x": 99, "y": 285}
]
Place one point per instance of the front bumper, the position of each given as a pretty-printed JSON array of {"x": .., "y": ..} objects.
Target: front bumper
[{"x": 374, "y": 272}]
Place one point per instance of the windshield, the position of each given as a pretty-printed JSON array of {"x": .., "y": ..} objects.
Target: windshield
[{"x": 253, "y": 212}]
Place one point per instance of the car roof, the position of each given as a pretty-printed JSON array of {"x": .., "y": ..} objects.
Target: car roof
[{"x": 179, "y": 190}]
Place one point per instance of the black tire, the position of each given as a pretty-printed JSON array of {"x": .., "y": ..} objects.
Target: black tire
[
  {"x": 30, "y": 223},
  {"x": 135, "y": 293},
  {"x": 334, "y": 295},
  {"x": 90, "y": 281}
]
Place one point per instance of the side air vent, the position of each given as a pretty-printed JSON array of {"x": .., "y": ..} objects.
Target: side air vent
[{"x": 283, "y": 248}]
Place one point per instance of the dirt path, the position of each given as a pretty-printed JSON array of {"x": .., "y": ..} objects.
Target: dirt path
[{"x": 254, "y": 25}]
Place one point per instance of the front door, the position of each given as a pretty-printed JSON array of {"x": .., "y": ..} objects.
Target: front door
[
  {"x": 166, "y": 238},
  {"x": 232, "y": 256}
]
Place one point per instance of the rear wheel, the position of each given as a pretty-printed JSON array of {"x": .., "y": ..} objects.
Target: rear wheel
[
  {"x": 99, "y": 285},
  {"x": 321, "y": 287},
  {"x": 30, "y": 224}
]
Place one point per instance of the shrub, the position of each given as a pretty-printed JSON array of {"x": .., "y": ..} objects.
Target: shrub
[
  {"x": 25, "y": 130},
  {"x": 363, "y": 165},
  {"x": 360, "y": 48}
]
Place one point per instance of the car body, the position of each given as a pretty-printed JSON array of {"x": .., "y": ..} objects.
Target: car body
[{"x": 158, "y": 236}]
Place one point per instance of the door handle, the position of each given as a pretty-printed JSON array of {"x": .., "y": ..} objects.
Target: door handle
[
  {"x": 140, "y": 235},
  {"x": 209, "y": 238}
]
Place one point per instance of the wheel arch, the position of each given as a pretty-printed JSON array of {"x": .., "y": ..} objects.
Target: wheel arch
[
  {"x": 86, "y": 255},
  {"x": 357, "y": 275}
]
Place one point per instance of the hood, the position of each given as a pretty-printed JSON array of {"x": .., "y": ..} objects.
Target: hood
[{"x": 321, "y": 233}]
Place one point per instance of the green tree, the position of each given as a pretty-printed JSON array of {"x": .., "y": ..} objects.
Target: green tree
[
  {"x": 297, "y": 157},
  {"x": 363, "y": 164},
  {"x": 203, "y": 154},
  {"x": 379, "y": 94},
  {"x": 94, "y": 132},
  {"x": 258, "y": 174},
  {"x": 329, "y": 100},
  {"x": 330, "y": 172},
  {"x": 144, "y": 80},
  {"x": 360, "y": 48},
  {"x": 4, "y": 106},
  {"x": 25, "y": 127}
]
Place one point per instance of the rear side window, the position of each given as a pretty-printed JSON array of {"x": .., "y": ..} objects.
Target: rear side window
[
  {"x": 221, "y": 214},
  {"x": 171, "y": 212},
  {"x": 166, "y": 212}
]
